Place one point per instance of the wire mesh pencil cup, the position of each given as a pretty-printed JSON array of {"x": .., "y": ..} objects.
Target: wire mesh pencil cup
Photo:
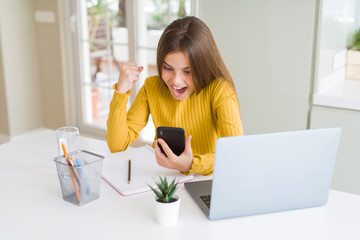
[{"x": 80, "y": 184}]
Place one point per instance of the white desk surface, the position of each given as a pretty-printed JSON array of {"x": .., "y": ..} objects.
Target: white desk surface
[{"x": 32, "y": 207}]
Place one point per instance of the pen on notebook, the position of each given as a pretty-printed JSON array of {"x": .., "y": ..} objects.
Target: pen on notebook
[
  {"x": 69, "y": 162},
  {"x": 129, "y": 171}
]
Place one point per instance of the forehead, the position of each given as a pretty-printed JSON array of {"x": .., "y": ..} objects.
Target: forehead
[{"x": 177, "y": 60}]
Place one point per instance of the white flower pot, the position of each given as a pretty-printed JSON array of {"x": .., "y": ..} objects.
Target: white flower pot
[{"x": 167, "y": 214}]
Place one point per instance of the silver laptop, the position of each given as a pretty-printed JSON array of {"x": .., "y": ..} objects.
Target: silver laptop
[{"x": 266, "y": 173}]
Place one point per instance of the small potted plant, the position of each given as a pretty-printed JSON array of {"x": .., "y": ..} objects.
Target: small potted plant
[
  {"x": 353, "y": 58},
  {"x": 167, "y": 204}
]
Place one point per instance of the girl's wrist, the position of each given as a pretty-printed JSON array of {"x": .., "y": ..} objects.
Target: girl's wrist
[
  {"x": 121, "y": 90},
  {"x": 188, "y": 167}
]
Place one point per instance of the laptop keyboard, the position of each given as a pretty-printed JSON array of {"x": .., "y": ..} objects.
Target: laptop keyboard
[{"x": 206, "y": 199}]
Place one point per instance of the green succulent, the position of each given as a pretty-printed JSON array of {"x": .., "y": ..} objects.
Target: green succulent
[
  {"x": 356, "y": 39},
  {"x": 166, "y": 190}
]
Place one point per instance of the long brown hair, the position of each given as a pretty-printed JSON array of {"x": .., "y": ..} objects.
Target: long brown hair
[{"x": 191, "y": 36}]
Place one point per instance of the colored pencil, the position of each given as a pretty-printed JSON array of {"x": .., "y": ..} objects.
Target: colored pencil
[{"x": 69, "y": 162}]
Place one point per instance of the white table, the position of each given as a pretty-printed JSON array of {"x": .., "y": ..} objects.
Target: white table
[{"x": 32, "y": 207}]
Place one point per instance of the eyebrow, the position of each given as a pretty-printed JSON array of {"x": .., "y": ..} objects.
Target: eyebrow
[{"x": 173, "y": 67}]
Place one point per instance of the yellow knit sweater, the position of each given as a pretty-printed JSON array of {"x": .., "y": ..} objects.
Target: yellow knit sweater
[{"x": 208, "y": 115}]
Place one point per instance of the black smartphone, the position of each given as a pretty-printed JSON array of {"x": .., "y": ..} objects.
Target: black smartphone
[{"x": 174, "y": 138}]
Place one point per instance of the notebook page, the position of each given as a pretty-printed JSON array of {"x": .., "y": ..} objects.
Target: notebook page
[{"x": 144, "y": 169}]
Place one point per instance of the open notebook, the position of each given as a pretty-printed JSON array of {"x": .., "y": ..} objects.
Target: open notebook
[{"x": 144, "y": 169}]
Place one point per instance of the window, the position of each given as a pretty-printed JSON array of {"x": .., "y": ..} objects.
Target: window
[
  {"x": 109, "y": 33},
  {"x": 337, "y": 22}
]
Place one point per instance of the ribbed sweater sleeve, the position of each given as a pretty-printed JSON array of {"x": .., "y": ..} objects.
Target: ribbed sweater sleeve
[{"x": 123, "y": 127}]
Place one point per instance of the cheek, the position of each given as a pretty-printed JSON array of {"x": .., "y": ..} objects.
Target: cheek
[
  {"x": 165, "y": 75},
  {"x": 189, "y": 82}
]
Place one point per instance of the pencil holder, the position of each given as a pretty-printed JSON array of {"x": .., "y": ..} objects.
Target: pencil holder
[{"x": 80, "y": 176}]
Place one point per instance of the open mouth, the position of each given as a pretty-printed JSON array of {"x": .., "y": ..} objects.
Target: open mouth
[{"x": 179, "y": 90}]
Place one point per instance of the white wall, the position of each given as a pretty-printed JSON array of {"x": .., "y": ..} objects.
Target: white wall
[
  {"x": 20, "y": 66},
  {"x": 50, "y": 66},
  {"x": 268, "y": 48},
  {"x": 347, "y": 168},
  {"x": 31, "y": 81},
  {"x": 4, "y": 124}
]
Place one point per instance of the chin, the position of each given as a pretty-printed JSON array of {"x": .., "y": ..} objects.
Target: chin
[{"x": 180, "y": 98}]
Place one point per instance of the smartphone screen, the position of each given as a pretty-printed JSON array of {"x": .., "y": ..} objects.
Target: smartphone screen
[{"x": 174, "y": 138}]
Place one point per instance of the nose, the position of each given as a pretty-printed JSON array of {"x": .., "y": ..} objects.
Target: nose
[{"x": 177, "y": 79}]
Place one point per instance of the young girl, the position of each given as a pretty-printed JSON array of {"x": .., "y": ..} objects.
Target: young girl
[{"x": 194, "y": 91}]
